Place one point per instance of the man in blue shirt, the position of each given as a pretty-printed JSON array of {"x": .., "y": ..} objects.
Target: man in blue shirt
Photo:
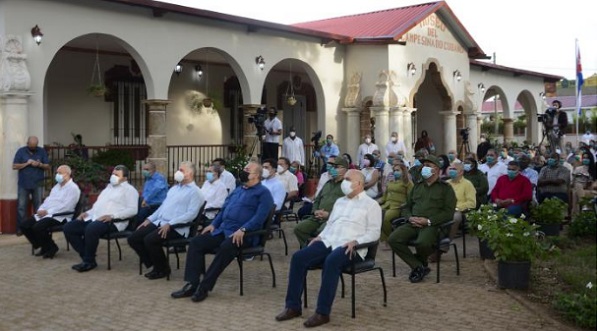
[
  {"x": 181, "y": 206},
  {"x": 326, "y": 151},
  {"x": 246, "y": 209},
  {"x": 154, "y": 191},
  {"x": 31, "y": 161}
]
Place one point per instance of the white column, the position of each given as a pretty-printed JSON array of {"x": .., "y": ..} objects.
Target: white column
[
  {"x": 396, "y": 121},
  {"x": 449, "y": 130},
  {"x": 382, "y": 124},
  {"x": 352, "y": 128},
  {"x": 473, "y": 137},
  {"x": 407, "y": 128},
  {"x": 14, "y": 127},
  {"x": 156, "y": 135}
]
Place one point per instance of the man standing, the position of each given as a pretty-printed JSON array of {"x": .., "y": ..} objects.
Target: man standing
[
  {"x": 181, "y": 206},
  {"x": 154, "y": 191},
  {"x": 483, "y": 147},
  {"x": 395, "y": 145},
  {"x": 118, "y": 201},
  {"x": 246, "y": 209},
  {"x": 429, "y": 204},
  {"x": 329, "y": 149},
  {"x": 554, "y": 180},
  {"x": 493, "y": 169},
  {"x": 293, "y": 148},
  {"x": 63, "y": 198},
  {"x": 273, "y": 130},
  {"x": 355, "y": 219},
  {"x": 367, "y": 147},
  {"x": 31, "y": 161}
]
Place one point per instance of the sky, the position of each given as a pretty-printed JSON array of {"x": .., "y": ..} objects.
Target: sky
[{"x": 535, "y": 35}]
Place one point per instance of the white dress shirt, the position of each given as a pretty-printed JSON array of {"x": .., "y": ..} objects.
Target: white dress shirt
[
  {"x": 229, "y": 181},
  {"x": 493, "y": 173},
  {"x": 357, "y": 219},
  {"x": 294, "y": 150},
  {"x": 62, "y": 198},
  {"x": 215, "y": 194},
  {"x": 120, "y": 202},
  {"x": 276, "y": 188},
  {"x": 181, "y": 205},
  {"x": 289, "y": 180},
  {"x": 272, "y": 125},
  {"x": 396, "y": 147},
  {"x": 363, "y": 150}
]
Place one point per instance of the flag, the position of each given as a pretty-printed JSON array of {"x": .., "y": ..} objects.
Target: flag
[{"x": 579, "y": 80}]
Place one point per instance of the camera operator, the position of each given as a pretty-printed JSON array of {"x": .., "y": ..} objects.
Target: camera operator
[
  {"x": 555, "y": 122},
  {"x": 273, "y": 130}
]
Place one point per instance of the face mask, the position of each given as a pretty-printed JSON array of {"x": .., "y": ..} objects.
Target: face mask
[
  {"x": 577, "y": 157},
  {"x": 400, "y": 156},
  {"x": 178, "y": 176},
  {"x": 451, "y": 157},
  {"x": 426, "y": 172},
  {"x": 333, "y": 172},
  {"x": 114, "y": 180},
  {"x": 503, "y": 155},
  {"x": 292, "y": 170},
  {"x": 441, "y": 163},
  {"x": 59, "y": 179},
  {"x": 586, "y": 161},
  {"x": 280, "y": 169},
  {"x": 397, "y": 175},
  {"x": 265, "y": 173},
  {"x": 346, "y": 187},
  {"x": 417, "y": 162},
  {"x": 394, "y": 139},
  {"x": 512, "y": 174},
  {"x": 368, "y": 140},
  {"x": 292, "y": 134},
  {"x": 375, "y": 157},
  {"x": 489, "y": 159},
  {"x": 243, "y": 177},
  {"x": 146, "y": 173},
  {"x": 329, "y": 141},
  {"x": 453, "y": 173},
  {"x": 551, "y": 162},
  {"x": 328, "y": 167},
  {"x": 390, "y": 160},
  {"x": 468, "y": 167},
  {"x": 366, "y": 162},
  {"x": 209, "y": 176}
]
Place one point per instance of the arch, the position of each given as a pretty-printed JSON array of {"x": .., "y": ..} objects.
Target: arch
[
  {"x": 432, "y": 66},
  {"x": 527, "y": 101}
]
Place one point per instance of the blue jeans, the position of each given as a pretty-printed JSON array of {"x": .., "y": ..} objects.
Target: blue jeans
[
  {"x": 332, "y": 261},
  {"x": 23, "y": 200},
  {"x": 85, "y": 236}
]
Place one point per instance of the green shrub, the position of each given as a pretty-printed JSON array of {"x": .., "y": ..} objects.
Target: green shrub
[
  {"x": 550, "y": 211},
  {"x": 578, "y": 307},
  {"x": 583, "y": 225},
  {"x": 88, "y": 175},
  {"x": 113, "y": 157}
]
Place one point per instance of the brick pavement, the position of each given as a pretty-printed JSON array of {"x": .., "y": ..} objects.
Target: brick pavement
[{"x": 37, "y": 294}]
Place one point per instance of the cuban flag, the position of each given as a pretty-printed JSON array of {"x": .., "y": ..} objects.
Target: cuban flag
[{"x": 579, "y": 80}]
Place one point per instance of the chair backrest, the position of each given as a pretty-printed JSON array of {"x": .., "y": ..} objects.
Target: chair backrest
[
  {"x": 199, "y": 220},
  {"x": 372, "y": 252},
  {"x": 266, "y": 227}
]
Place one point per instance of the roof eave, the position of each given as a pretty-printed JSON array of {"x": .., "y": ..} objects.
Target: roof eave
[{"x": 515, "y": 72}]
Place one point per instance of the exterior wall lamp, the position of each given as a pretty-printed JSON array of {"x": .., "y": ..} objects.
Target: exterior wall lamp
[
  {"x": 542, "y": 95},
  {"x": 36, "y": 34},
  {"x": 199, "y": 71},
  {"x": 260, "y": 61},
  {"x": 457, "y": 75},
  {"x": 481, "y": 88},
  {"x": 410, "y": 68},
  {"x": 178, "y": 69}
]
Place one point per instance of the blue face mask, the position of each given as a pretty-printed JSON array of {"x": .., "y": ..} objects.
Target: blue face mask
[
  {"x": 441, "y": 163},
  {"x": 333, "y": 172},
  {"x": 586, "y": 161},
  {"x": 397, "y": 175},
  {"x": 59, "y": 178},
  {"x": 292, "y": 169},
  {"x": 551, "y": 162},
  {"x": 209, "y": 176},
  {"x": 512, "y": 174},
  {"x": 451, "y": 157},
  {"x": 468, "y": 167},
  {"x": 417, "y": 162},
  {"x": 489, "y": 159},
  {"x": 453, "y": 173},
  {"x": 390, "y": 160},
  {"x": 426, "y": 172},
  {"x": 146, "y": 173}
]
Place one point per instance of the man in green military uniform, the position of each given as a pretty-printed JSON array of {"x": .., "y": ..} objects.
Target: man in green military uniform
[
  {"x": 430, "y": 204},
  {"x": 312, "y": 225}
]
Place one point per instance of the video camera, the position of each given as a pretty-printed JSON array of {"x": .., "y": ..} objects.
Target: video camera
[
  {"x": 316, "y": 137},
  {"x": 258, "y": 119},
  {"x": 464, "y": 133},
  {"x": 548, "y": 116}
]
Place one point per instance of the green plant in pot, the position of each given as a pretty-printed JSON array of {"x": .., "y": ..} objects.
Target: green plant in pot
[
  {"x": 97, "y": 90},
  {"x": 479, "y": 222},
  {"x": 549, "y": 214}
]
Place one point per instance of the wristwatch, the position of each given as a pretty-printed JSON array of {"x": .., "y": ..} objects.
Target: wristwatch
[
  {"x": 428, "y": 222},
  {"x": 243, "y": 229}
]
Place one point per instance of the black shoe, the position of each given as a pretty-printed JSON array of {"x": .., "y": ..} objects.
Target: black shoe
[
  {"x": 41, "y": 252},
  {"x": 199, "y": 295},
  {"x": 158, "y": 274},
  {"x": 19, "y": 232},
  {"x": 77, "y": 266},
  {"x": 51, "y": 253},
  {"x": 186, "y": 291},
  {"x": 84, "y": 267},
  {"x": 147, "y": 274},
  {"x": 418, "y": 274},
  {"x": 177, "y": 249}
]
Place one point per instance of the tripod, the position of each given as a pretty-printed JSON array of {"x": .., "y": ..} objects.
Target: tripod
[{"x": 464, "y": 147}]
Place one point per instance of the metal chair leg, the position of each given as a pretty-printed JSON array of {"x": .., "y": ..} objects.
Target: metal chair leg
[
  {"x": 383, "y": 284},
  {"x": 271, "y": 265},
  {"x": 109, "y": 260},
  {"x": 119, "y": 250}
]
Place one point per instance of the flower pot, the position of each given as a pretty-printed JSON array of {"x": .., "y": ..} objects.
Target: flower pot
[
  {"x": 550, "y": 229},
  {"x": 514, "y": 274},
  {"x": 484, "y": 251}
]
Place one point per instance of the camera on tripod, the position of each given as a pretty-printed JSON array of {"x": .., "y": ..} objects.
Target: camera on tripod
[
  {"x": 258, "y": 119},
  {"x": 464, "y": 133},
  {"x": 549, "y": 114}
]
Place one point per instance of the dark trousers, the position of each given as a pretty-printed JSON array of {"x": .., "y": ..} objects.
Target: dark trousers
[
  {"x": 23, "y": 202},
  {"x": 270, "y": 151},
  {"x": 305, "y": 210},
  {"x": 145, "y": 212},
  {"x": 424, "y": 240},
  {"x": 38, "y": 232},
  {"x": 147, "y": 242},
  {"x": 225, "y": 252},
  {"x": 85, "y": 236},
  {"x": 316, "y": 254}
]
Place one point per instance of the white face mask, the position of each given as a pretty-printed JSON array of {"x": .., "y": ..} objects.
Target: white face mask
[
  {"x": 178, "y": 176},
  {"x": 265, "y": 173},
  {"x": 394, "y": 139},
  {"x": 368, "y": 140},
  {"x": 59, "y": 178},
  {"x": 114, "y": 180},
  {"x": 292, "y": 133},
  {"x": 346, "y": 187},
  {"x": 280, "y": 169}
]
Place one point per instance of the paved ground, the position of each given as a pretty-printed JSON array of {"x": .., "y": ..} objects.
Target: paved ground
[{"x": 37, "y": 294}]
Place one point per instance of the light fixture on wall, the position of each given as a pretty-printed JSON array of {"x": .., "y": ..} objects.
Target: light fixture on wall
[
  {"x": 481, "y": 88},
  {"x": 457, "y": 75},
  {"x": 36, "y": 34},
  {"x": 178, "y": 69},
  {"x": 410, "y": 68},
  {"x": 260, "y": 61},
  {"x": 542, "y": 95},
  {"x": 199, "y": 71}
]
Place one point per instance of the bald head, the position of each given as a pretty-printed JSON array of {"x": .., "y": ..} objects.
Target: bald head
[{"x": 357, "y": 182}]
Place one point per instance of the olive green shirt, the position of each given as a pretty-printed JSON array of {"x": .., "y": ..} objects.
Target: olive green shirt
[
  {"x": 437, "y": 202},
  {"x": 481, "y": 185},
  {"x": 395, "y": 194},
  {"x": 330, "y": 192}
]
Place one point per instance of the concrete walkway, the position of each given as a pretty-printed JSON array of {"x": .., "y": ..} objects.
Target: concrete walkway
[{"x": 38, "y": 294}]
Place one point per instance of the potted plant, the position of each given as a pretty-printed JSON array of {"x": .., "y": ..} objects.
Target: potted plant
[
  {"x": 549, "y": 215},
  {"x": 478, "y": 223},
  {"x": 514, "y": 243},
  {"x": 97, "y": 90}
]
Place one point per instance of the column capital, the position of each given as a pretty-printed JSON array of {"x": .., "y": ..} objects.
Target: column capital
[
  {"x": 409, "y": 110},
  {"x": 157, "y": 104},
  {"x": 351, "y": 110},
  {"x": 508, "y": 120},
  {"x": 449, "y": 113},
  {"x": 380, "y": 109}
]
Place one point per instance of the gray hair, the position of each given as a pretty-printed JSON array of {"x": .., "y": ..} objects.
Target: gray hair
[
  {"x": 189, "y": 165},
  {"x": 66, "y": 168}
]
